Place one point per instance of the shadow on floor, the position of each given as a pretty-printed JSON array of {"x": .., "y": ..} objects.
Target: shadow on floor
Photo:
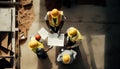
[
  {"x": 44, "y": 63},
  {"x": 112, "y": 40},
  {"x": 112, "y": 48}
]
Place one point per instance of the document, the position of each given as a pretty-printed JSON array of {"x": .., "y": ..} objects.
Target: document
[
  {"x": 54, "y": 40},
  {"x": 44, "y": 33}
]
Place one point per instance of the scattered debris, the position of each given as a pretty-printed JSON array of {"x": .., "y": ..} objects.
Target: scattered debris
[{"x": 25, "y": 18}]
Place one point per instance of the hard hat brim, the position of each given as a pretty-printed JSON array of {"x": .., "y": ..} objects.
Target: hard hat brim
[
  {"x": 69, "y": 34},
  {"x": 54, "y": 16}
]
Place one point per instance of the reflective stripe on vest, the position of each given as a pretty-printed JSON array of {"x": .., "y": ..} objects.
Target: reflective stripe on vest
[{"x": 58, "y": 20}]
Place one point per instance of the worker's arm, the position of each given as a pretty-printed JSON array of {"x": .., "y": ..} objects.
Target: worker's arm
[
  {"x": 60, "y": 27},
  {"x": 48, "y": 25},
  {"x": 49, "y": 48},
  {"x": 76, "y": 44},
  {"x": 73, "y": 46},
  {"x": 66, "y": 40},
  {"x": 74, "y": 53},
  {"x": 59, "y": 57},
  {"x": 47, "y": 21},
  {"x": 62, "y": 21}
]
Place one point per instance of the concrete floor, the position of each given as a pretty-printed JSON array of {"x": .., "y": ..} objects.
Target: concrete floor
[{"x": 88, "y": 19}]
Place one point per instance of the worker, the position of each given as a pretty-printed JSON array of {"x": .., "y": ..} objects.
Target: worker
[
  {"x": 55, "y": 20},
  {"x": 37, "y": 47},
  {"x": 67, "y": 56},
  {"x": 73, "y": 37}
]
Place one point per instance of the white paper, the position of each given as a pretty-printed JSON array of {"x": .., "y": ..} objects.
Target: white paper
[
  {"x": 44, "y": 33},
  {"x": 53, "y": 40}
]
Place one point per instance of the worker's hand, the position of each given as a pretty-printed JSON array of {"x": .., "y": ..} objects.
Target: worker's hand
[
  {"x": 50, "y": 47},
  {"x": 51, "y": 31},
  {"x": 62, "y": 50}
]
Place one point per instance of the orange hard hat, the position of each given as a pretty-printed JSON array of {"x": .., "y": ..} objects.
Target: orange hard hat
[
  {"x": 37, "y": 37},
  {"x": 54, "y": 13}
]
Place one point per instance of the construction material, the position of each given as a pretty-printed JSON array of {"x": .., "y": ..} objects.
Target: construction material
[
  {"x": 5, "y": 19},
  {"x": 8, "y": 36},
  {"x": 8, "y": 3},
  {"x": 25, "y": 18}
]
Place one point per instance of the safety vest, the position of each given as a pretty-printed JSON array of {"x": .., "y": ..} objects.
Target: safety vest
[
  {"x": 58, "y": 19},
  {"x": 40, "y": 45}
]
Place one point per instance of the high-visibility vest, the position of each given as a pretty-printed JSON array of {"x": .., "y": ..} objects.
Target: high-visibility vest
[
  {"x": 58, "y": 19},
  {"x": 40, "y": 45}
]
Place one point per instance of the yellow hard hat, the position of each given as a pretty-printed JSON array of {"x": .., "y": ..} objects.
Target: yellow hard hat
[
  {"x": 54, "y": 13},
  {"x": 33, "y": 44},
  {"x": 66, "y": 59},
  {"x": 72, "y": 32}
]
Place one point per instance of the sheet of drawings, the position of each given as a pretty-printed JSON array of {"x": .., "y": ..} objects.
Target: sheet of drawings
[
  {"x": 54, "y": 40},
  {"x": 44, "y": 33}
]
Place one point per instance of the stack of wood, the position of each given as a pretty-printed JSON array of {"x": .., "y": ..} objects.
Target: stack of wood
[
  {"x": 5, "y": 44},
  {"x": 25, "y": 18},
  {"x": 6, "y": 53}
]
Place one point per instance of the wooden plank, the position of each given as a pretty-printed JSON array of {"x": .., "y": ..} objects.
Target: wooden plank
[
  {"x": 5, "y": 19},
  {"x": 5, "y": 56},
  {"x": 5, "y": 48},
  {"x": 13, "y": 38},
  {"x": 13, "y": 29},
  {"x": 4, "y": 42}
]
